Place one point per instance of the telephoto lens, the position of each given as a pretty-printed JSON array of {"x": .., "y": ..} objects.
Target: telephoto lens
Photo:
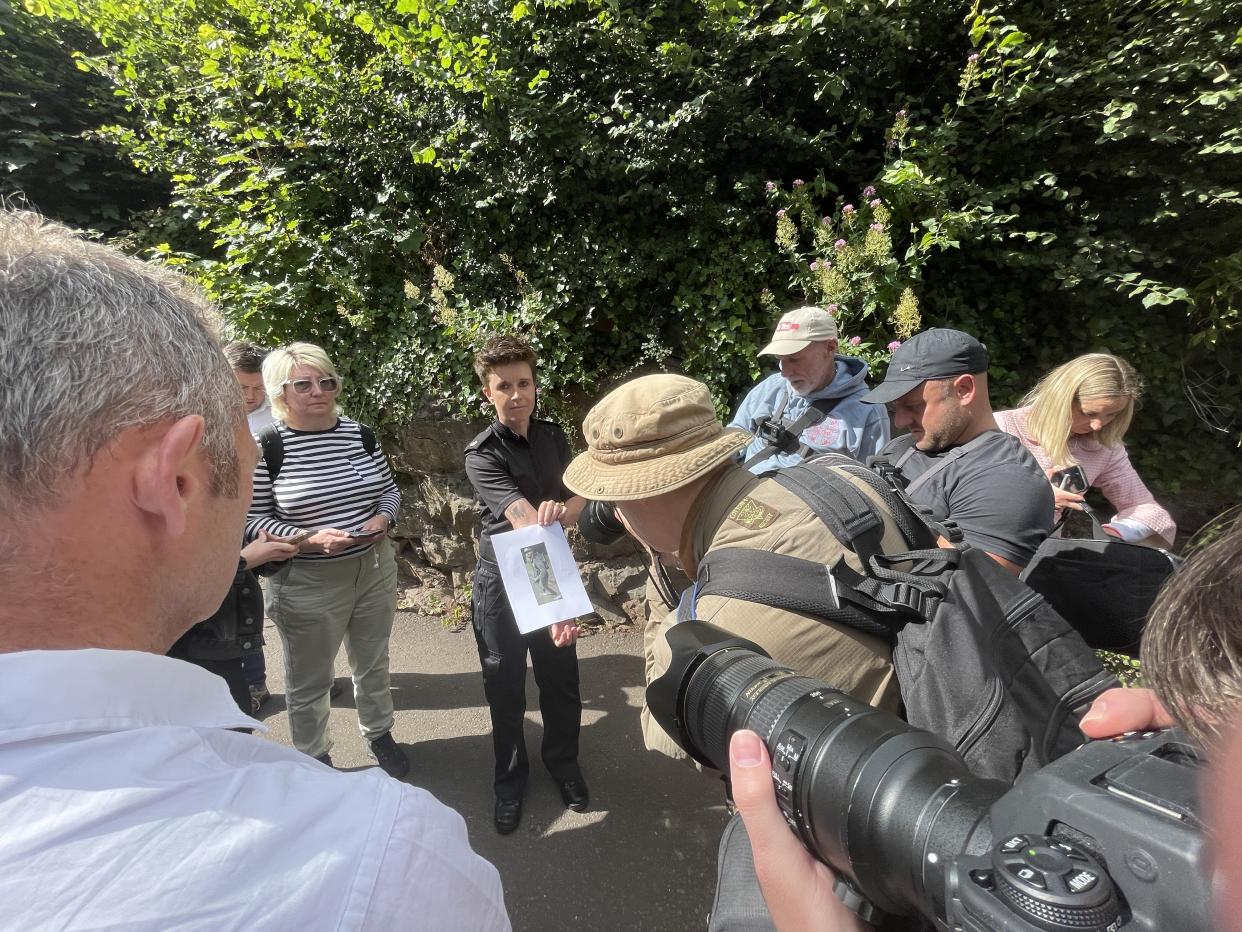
[
  {"x": 599, "y": 523},
  {"x": 887, "y": 805}
]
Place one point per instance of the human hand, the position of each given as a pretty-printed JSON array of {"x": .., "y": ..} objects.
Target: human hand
[
  {"x": 1120, "y": 710},
  {"x": 375, "y": 526},
  {"x": 330, "y": 540},
  {"x": 796, "y": 886},
  {"x": 267, "y": 549},
  {"x": 550, "y": 512},
  {"x": 564, "y": 633},
  {"x": 1067, "y": 499}
]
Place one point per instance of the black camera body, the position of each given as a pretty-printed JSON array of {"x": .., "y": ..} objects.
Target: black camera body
[
  {"x": 599, "y": 523},
  {"x": 1105, "y": 839}
]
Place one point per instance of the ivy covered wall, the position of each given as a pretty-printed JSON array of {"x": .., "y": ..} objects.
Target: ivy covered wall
[{"x": 397, "y": 179}]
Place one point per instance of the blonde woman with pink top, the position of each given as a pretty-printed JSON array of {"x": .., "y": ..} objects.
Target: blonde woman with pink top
[{"x": 1077, "y": 415}]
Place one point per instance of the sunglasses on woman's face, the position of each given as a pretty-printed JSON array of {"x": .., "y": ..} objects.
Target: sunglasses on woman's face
[{"x": 327, "y": 384}]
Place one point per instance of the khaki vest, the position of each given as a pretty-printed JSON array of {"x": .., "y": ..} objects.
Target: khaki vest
[{"x": 741, "y": 510}]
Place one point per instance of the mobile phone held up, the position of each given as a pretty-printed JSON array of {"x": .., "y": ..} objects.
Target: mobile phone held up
[{"x": 1071, "y": 479}]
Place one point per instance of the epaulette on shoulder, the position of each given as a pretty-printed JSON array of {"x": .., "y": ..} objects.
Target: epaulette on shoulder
[{"x": 479, "y": 440}]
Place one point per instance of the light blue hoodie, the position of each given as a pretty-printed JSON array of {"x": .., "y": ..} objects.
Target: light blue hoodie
[{"x": 853, "y": 428}]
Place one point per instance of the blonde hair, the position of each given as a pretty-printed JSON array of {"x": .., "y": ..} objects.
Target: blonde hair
[
  {"x": 279, "y": 363},
  {"x": 1087, "y": 378}
]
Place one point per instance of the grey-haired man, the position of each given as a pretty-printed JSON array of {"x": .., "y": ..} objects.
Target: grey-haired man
[
  {"x": 128, "y": 797},
  {"x": 815, "y": 397}
]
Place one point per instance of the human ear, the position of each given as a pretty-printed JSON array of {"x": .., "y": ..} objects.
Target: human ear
[
  {"x": 966, "y": 386},
  {"x": 170, "y": 474}
]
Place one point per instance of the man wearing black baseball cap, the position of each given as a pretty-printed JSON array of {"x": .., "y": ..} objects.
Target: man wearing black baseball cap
[{"x": 956, "y": 461}]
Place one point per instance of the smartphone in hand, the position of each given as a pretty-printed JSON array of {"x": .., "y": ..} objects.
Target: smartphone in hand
[
  {"x": 1071, "y": 479},
  {"x": 296, "y": 538}
]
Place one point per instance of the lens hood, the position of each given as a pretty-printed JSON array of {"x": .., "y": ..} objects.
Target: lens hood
[{"x": 690, "y": 643}]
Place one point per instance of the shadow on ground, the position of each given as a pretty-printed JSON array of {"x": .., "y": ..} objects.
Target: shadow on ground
[{"x": 641, "y": 858}]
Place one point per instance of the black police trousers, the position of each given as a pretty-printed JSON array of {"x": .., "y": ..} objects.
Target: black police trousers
[{"x": 502, "y": 654}]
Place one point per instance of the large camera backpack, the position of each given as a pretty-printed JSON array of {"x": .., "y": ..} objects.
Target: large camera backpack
[{"x": 981, "y": 659}]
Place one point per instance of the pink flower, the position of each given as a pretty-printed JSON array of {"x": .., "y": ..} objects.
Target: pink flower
[
  {"x": 839, "y": 244},
  {"x": 781, "y": 212},
  {"x": 973, "y": 57},
  {"x": 868, "y": 191},
  {"x": 847, "y": 209},
  {"x": 877, "y": 227},
  {"x": 814, "y": 266},
  {"x": 831, "y": 308},
  {"x": 901, "y": 114},
  {"x": 876, "y": 203},
  {"x": 798, "y": 182},
  {"x": 855, "y": 341},
  {"x": 827, "y": 221},
  {"x": 771, "y": 186},
  {"x": 893, "y": 347}
]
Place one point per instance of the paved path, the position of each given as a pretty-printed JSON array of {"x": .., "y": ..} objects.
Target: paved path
[{"x": 643, "y": 856}]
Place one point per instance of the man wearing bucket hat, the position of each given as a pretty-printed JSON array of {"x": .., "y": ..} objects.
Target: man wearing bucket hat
[
  {"x": 657, "y": 451},
  {"x": 813, "y": 404},
  {"x": 956, "y": 462}
]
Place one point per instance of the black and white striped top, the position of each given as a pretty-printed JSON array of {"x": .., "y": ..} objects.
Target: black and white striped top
[{"x": 327, "y": 479}]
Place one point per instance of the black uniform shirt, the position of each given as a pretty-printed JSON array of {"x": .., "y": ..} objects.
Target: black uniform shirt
[{"x": 504, "y": 467}]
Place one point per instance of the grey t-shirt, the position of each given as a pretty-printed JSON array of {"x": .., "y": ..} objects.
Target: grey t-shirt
[{"x": 996, "y": 494}]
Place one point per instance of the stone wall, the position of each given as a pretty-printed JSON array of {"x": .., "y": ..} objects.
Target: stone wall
[{"x": 438, "y": 526}]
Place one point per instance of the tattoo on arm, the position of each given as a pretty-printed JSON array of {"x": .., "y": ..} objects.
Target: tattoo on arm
[{"x": 520, "y": 514}]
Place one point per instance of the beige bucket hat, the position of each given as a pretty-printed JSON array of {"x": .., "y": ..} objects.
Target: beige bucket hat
[{"x": 652, "y": 435}]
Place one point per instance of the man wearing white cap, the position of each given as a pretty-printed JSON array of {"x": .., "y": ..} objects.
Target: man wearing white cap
[{"x": 812, "y": 405}]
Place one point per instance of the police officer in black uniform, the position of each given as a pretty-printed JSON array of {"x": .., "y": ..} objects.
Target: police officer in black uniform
[{"x": 515, "y": 467}]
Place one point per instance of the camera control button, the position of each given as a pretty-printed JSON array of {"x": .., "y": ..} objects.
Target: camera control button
[
  {"x": 1015, "y": 843},
  {"x": 784, "y": 790},
  {"x": 1068, "y": 850},
  {"x": 789, "y": 751},
  {"x": 1081, "y": 881},
  {"x": 1029, "y": 876}
]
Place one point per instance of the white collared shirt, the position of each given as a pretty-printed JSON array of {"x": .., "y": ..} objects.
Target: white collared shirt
[
  {"x": 260, "y": 418},
  {"x": 126, "y": 803}
]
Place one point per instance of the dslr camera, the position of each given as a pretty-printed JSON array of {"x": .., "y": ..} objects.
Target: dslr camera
[
  {"x": 599, "y": 523},
  {"x": 1106, "y": 839}
]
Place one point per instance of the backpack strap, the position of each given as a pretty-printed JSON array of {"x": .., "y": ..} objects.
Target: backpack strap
[
  {"x": 942, "y": 462},
  {"x": 785, "y": 437},
  {"x": 274, "y": 447},
  {"x": 878, "y": 603},
  {"x": 273, "y": 451},
  {"x": 917, "y": 528},
  {"x": 847, "y": 512}
]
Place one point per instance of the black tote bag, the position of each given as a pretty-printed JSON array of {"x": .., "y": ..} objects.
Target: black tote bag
[{"x": 1102, "y": 586}]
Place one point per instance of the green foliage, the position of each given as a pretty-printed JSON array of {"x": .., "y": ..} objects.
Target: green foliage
[
  {"x": 396, "y": 180},
  {"x": 1128, "y": 670},
  {"x": 1092, "y": 156},
  {"x": 51, "y": 156}
]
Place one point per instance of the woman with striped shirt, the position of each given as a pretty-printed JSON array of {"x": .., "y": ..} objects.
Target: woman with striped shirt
[{"x": 324, "y": 473}]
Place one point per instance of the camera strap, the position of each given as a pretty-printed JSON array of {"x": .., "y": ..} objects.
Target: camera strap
[{"x": 784, "y": 437}]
